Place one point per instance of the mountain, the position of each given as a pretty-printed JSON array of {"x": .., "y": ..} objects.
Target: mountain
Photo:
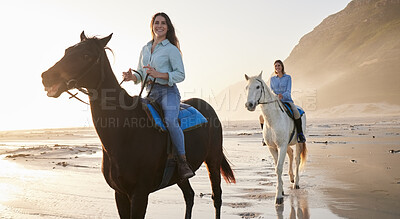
[
  {"x": 349, "y": 65},
  {"x": 352, "y": 57},
  {"x": 229, "y": 103}
]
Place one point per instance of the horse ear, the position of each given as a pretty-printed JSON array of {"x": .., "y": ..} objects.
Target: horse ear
[
  {"x": 83, "y": 37},
  {"x": 105, "y": 40},
  {"x": 260, "y": 75},
  {"x": 247, "y": 77}
]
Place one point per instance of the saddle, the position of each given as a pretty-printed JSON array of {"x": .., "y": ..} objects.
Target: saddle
[
  {"x": 189, "y": 118},
  {"x": 289, "y": 111}
]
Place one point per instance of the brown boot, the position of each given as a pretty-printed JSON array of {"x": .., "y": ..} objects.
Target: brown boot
[{"x": 184, "y": 170}]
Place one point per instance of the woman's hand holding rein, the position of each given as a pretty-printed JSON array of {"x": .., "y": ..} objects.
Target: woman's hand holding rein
[
  {"x": 128, "y": 76},
  {"x": 155, "y": 74}
]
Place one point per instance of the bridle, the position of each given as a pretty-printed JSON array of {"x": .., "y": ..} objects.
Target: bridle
[
  {"x": 72, "y": 83},
  {"x": 273, "y": 101},
  {"x": 263, "y": 92}
]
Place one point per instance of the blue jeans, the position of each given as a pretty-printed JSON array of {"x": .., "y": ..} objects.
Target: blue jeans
[
  {"x": 296, "y": 113},
  {"x": 169, "y": 98}
]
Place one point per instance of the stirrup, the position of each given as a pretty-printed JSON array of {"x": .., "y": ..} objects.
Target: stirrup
[
  {"x": 184, "y": 169},
  {"x": 185, "y": 172},
  {"x": 301, "y": 138}
]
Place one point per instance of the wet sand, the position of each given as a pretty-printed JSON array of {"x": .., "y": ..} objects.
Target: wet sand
[{"x": 353, "y": 171}]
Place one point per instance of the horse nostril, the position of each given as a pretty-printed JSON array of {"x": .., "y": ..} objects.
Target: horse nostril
[{"x": 249, "y": 104}]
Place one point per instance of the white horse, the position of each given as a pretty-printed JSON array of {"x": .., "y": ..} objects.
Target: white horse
[{"x": 278, "y": 130}]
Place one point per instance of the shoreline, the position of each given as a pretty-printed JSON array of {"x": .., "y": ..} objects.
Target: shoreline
[{"x": 350, "y": 173}]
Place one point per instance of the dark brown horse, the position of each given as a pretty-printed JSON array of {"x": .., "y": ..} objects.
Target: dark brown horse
[{"x": 134, "y": 153}]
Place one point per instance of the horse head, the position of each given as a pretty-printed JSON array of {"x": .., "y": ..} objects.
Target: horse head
[
  {"x": 253, "y": 91},
  {"x": 257, "y": 92},
  {"x": 74, "y": 69}
]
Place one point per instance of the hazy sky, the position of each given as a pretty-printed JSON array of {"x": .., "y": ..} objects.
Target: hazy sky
[{"x": 220, "y": 41}]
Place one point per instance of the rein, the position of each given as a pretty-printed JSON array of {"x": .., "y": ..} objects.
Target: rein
[
  {"x": 143, "y": 84},
  {"x": 72, "y": 83},
  {"x": 267, "y": 102},
  {"x": 74, "y": 96},
  {"x": 280, "y": 107}
]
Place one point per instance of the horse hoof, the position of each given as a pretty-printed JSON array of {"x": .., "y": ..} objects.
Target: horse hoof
[
  {"x": 279, "y": 201},
  {"x": 296, "y": 187}
]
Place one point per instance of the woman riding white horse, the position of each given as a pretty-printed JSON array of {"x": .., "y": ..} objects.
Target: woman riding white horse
[
  {"x": 278, "y": 131},
  {"x": 281, "y": 85}
]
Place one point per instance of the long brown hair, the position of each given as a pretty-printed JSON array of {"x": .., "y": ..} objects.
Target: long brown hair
[{"x": 171, "y": 36}]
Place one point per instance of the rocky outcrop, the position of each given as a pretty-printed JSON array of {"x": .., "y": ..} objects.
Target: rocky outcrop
[{"x": 353, "y": 56}]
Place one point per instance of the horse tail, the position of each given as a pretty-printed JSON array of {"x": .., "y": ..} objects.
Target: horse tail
[
  {"x": 303, "y": 155},
  {"x": 226, "y": 170}
]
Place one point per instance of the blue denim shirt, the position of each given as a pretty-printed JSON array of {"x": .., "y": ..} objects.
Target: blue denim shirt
[
  {"x": 282, "y": 86},
  {"x": 166, "y": 58}
]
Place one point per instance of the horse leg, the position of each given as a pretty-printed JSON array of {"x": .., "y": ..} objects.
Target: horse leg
[
  {"x": 123, "y": 205},
  {"x": 290, "y": 155},
  {"x": 297, "y": 177},
  {"x": 274, "y": 153},
  {"x": 188, "y": 194},
  {"x": 214, "y": 174},
  {"x": 139, "y": 204},
  {"x": 279, "y": 167}
]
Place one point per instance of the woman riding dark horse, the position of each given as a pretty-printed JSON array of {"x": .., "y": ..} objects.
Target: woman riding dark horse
[
  {"x": 135, "y": 153},
  {"x": 161, "y": 60}
]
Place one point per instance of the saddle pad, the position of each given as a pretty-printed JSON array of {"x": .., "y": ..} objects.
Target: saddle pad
[
  {"x": 301, "y": 111},
  {"x": 189, "y": 117}
]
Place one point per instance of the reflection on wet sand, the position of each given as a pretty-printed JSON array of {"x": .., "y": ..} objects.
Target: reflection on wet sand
[{"x": 298, "y": 206}]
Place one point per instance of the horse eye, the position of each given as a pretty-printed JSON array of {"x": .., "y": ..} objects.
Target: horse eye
[{"x": 258, "y": 87}]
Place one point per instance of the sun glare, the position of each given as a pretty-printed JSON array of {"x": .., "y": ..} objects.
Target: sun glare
[
  {"x": 8, "y": 191},
  {"x": 14, "y": 178}
]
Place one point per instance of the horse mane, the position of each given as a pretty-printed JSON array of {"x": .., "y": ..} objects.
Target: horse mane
[{"x": 96, "y": 39}]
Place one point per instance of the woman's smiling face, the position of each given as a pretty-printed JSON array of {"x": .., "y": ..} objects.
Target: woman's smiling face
[
  {"x": 278, "y": 67},
  {"x": 160, "y": 27}
]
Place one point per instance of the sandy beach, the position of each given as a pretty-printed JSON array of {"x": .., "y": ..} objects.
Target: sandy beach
[{"x": 353, "y": 171}]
